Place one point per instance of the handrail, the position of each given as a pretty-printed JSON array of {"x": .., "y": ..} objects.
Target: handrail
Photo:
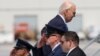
[{"x": 91, "y": 42}]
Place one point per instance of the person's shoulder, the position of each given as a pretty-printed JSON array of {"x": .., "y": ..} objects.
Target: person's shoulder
[
  {"x": 57, "y": 17},
  {"x": 59, "y": 52},
  {"x": 78, "y": 51},
  {"x": 59, "y": 49}
]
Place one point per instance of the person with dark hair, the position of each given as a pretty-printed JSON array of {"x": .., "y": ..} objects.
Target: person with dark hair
[
  {"x": 46, "y": 48},
  {"x": 53, "y": 40},
  {"x": 20, "y": 51},
  {"x": 41, "y": 49},
  {"x": 70, "y": 44},
  {"x": 49, "y": 45},
  {"x": 22, "y": 48}
]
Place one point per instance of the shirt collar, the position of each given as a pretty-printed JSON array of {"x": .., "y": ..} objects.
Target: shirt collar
[
  {"x": 70, "y": 50},
  {"x": 62, "y": 17},
  {"x": 56, "y": 46}
]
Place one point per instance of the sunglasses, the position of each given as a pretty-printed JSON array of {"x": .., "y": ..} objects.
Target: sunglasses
[{"x": 74, "y": 13}]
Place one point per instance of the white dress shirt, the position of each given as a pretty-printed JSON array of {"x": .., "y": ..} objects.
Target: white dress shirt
[
  {"x": 62, "y": 18},
  {"x": 56, "y": 46}
]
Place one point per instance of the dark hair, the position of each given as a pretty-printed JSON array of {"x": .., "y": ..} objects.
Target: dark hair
[
  {"x": 52, "y": 30},
  {"x": 13, "y": 52},
  {"x": 71, "y": 35},
  {"x": 43, "y": 30}
]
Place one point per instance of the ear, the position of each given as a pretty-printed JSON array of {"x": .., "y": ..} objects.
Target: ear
[
  {"x": 66, "y": 12},
  {"x": 26, "y": 53},
  {"x": 70, "y": 43}
]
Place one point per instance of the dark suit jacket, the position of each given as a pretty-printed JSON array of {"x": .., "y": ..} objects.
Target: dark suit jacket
[
  {"x": 57, "y": 52},
  {"x": 46, "y": 50},
  {"x": 77, "y": 52},
  {"x": 58, "y": 23},
  {"x": 43, "y": 51}
]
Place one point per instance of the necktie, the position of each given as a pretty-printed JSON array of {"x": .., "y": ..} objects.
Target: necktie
[{"x": 52, "y": 53}]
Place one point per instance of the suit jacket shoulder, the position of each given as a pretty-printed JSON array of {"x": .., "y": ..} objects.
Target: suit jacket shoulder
[
  {"x": 58, "y": 52},
  {"x": 77, "y": 52},
  {"x": 58, "y": 21}
]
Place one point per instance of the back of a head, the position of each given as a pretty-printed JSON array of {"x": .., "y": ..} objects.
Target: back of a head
[
  {"x": 66, "y": 5},
  {"x": 71, "y": 35},
  {"x": 43, "y": 30},
  {"x": 50, "y": 30}
]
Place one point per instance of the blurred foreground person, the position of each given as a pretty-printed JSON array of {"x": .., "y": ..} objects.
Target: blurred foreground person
[
  {"x": 70, "y": 44},
  {"x": 20, "y": 51},
  {"x": 22, "y": 48}
]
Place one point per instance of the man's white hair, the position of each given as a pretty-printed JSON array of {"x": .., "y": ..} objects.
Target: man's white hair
[{"x": 66, "y": 5}]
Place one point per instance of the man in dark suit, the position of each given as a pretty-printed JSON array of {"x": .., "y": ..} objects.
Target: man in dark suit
[
  {"x": 66, "y": 13},
  {"x": 49, "y": 45},
  {"x": 70, "y": 44},
  {"x": 53, "y": 39}
]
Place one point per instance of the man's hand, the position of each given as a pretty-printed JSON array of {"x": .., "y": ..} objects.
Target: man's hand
[{"x": 42, "y": 41}]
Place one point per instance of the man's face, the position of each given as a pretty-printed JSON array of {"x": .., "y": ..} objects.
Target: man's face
[
  {"x": 69, "y": 14},
  {"x": 52, "y": 39},
  {"x": 65, "y": 44}
]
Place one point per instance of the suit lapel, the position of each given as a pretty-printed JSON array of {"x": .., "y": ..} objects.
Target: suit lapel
[{"x": 54, "y": 51}]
